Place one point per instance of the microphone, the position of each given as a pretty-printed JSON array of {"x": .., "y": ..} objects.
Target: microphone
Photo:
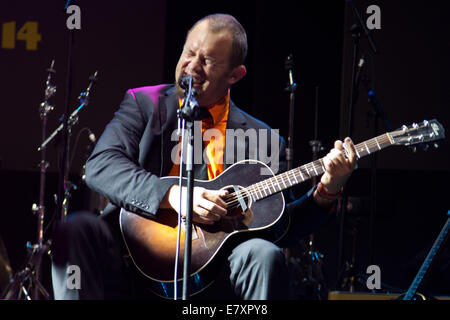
[
  {"x": 185, "y": 81},
  {"x": 364, "y": 28},
  {"x": 289, "y": 65},
  {"x": 361, "y": 64}
]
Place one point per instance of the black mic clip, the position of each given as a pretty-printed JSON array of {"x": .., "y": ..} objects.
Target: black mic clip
[
  {"x": 190, "y": 107},
  {"x": 84, "y": 96},
  {"x": 50, "y": 90},
  {"x": 289, "y": 65}
]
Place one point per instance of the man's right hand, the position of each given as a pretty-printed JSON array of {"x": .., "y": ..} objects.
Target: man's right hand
[{"x": 208, "y": 205}]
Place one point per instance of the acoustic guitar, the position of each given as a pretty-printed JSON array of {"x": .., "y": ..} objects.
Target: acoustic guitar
[{"x": 255, "y": 206}]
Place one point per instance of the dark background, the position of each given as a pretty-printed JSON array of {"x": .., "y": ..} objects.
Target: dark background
[{"x": 138, "y": 43}]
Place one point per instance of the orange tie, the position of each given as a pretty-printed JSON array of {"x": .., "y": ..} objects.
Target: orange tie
[{"x": 214, "y": 141}]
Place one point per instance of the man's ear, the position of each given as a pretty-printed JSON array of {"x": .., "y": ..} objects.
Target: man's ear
[{"x": 237, "y": 74}]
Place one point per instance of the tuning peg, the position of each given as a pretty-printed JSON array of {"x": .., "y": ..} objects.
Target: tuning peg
[
  {"x": 425, "y": 147},
  {"x": 413, "y": 149},
  {"x": 436, "y": 145}
]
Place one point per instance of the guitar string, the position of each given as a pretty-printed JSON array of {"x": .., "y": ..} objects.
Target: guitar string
[
  {"x": 289, "y": 175},
  {"x": 306, "y": 169},
  {"x": 313, "y": 166},
  {"x": 365, "y": 148}
]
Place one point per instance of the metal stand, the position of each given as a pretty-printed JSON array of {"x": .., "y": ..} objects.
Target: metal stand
[
  {"x": 70, "y": 122},
  {"x": 315, "y": 258},
  {"x": 25, "y": 283},
  {"x": 292, "y": 86},
  {"x": 310, "y": 260},
  {"x": 346, "y": 270},
  {"x": 342, "y": 267},
  {"x": 187, "y": 114},
  {"x": 376, "y": 114}
]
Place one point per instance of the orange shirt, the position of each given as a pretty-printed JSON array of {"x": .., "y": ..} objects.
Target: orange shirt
[{"x": 214, "y": 139}]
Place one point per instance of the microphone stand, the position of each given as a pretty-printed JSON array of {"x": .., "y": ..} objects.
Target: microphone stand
[
  {"x": 63, "y": 174},
  {"x": 291, "y": 87},
  {"x": 353, "y": 97},
  {"x": 377, "y": 113},
  {"x": 356, "y": 30},
  {"x": 289, "y": 65},
  {"x": 68, "y": 123},
  {"x": 29, "y": 276},
  {"x": 187, "y": 116}
]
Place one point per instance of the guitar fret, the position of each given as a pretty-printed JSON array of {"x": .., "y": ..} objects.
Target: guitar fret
[
  {"x": 256, "y": 192},
  {"x": 259, "y": 189},
  {"x": 309, "y": 173},
  {"x": 290, "y": 182},
  {"x": 378, "y": 145},
  {"x": 367, "y": 148},
  {"x": 305, "y": 172},
  {"x": 390, "y": 138},
  {"x": 322, "y": 164},
  {"x": 263, "y": 188},
  {"x": 251, "y": 189},
  {"x": 299, "y": 170},
  {"x": 268, "y": 187},
  {"x": 295, "y": 177},
  {"x": 278, "y": 183},
  {"x": 274, "y": 189},
  {"x": 252, "y": 195},
  {"x": 284, "y": 183}
]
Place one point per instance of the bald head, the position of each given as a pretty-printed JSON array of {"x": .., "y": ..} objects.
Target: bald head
[{"x": 218, "y": 23}]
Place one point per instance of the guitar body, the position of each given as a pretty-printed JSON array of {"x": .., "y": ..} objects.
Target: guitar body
[{"x": 152, "y": 244}]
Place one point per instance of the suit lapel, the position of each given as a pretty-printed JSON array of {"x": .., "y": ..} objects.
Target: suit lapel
[
  {"x": 168, "y": 117},
  {"x": 236, "y": 120}
]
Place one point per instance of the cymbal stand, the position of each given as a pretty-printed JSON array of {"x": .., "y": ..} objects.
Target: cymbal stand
[{"x": 25, "y": 283}]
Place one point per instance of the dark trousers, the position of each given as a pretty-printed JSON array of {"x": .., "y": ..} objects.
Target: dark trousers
[{"x": 255, "y": 269}]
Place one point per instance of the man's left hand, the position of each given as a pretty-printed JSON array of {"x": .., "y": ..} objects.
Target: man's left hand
[{"x": 338, "y": 166}]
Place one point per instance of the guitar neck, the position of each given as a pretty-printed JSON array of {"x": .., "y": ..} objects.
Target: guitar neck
[
  {"x": 306, "y": 172},
  {"x": 426, "y": 264}
]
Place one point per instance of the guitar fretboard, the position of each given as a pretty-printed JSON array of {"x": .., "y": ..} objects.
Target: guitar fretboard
[{"x": 301, "y": 174}]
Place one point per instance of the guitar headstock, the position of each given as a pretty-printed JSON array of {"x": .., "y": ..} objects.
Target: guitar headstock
[{"x": 423, "y": 133}]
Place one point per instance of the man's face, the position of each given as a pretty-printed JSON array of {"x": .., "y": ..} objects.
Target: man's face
[{"x": 206, "y": 57}]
